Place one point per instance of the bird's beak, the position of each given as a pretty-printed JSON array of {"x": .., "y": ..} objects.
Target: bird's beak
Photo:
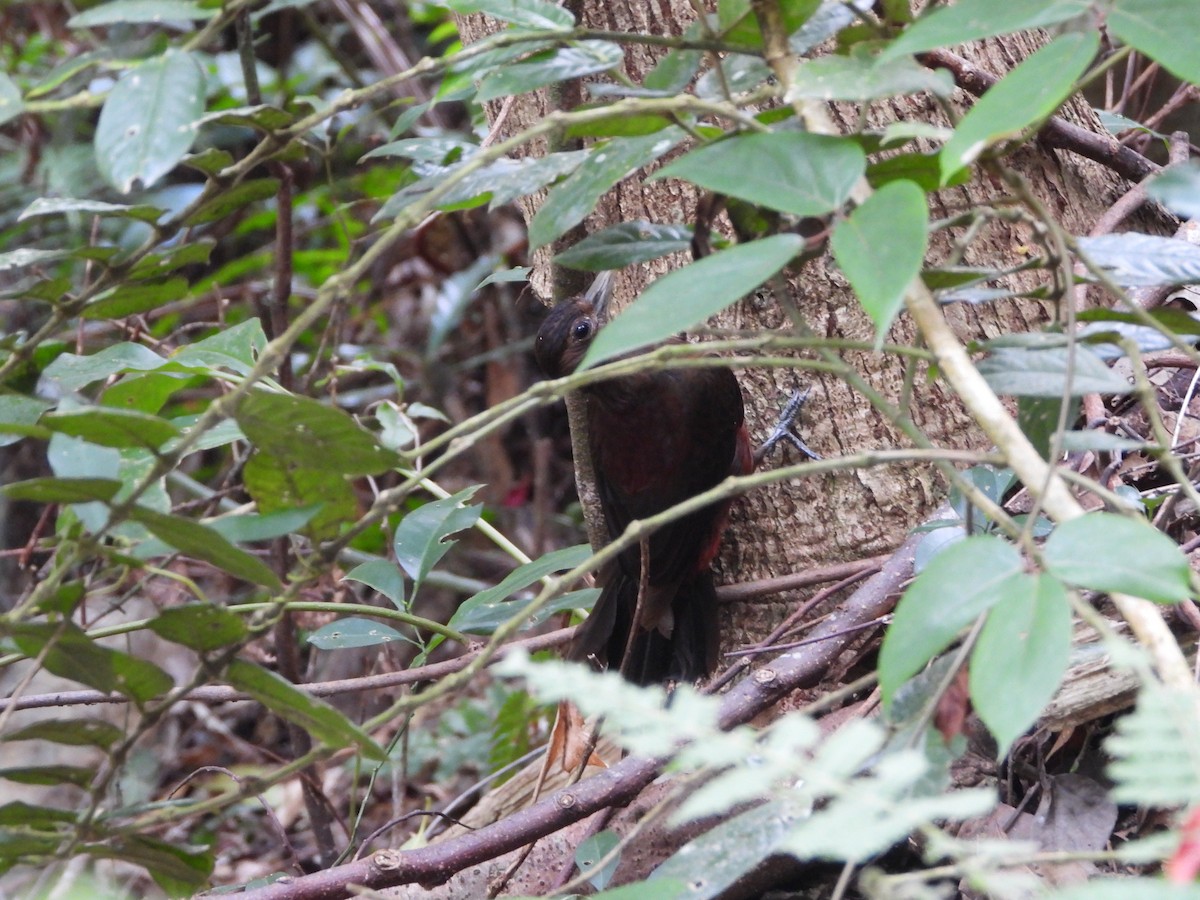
[{"x": 600, "y": 293}]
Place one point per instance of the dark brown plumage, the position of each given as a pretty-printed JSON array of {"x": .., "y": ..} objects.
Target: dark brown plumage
[{"x": 657, "y": 438}]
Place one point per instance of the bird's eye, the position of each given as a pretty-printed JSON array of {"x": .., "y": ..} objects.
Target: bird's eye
[{"x": 582, "y": 330}]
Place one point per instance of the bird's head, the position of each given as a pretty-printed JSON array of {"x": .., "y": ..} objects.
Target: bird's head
[{"x": 570, "y": 327}]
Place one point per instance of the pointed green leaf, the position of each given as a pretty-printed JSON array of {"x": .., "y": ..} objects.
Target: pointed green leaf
[
  {"x": 151, "y": 12},
  {"x": 863, "y": 78},
  {"x": 551, "y": 66},
  {"x": 268, "y": 526},
  {"x": 62, "y": 490},
  {"x": 384, "y": 577},
  {"x": 77, "y": 732},
  {"x": 50, "y": 776},
  {"x": 570, "y": 202},
  {"x": 200, "y": 626},
  {"x": 1050, "y": 373},
  {"x": 966, "y": 579},
  {"x": 1156, "y": 28},
  {"x": 277, "y": 486},
  {"x": 145, "y": 127},
  {"x": 970, "y": 20},
  {"x": 355, "y": 631},
  {"x": 485, "y": 611},
  {"x": 536, "y": 14},
  {"x": 685, "y": 297},
  {"x": 305, "y": 432},
  {"x": 1026, "y": 95},
  {"x": 1020, "y": 656},
  {"x": 70, "y": 372},
  {"x": 132, "y": 299},
  {"x": 74, "y": 655},
  {"x": 113, "y": 427},
  {"x": 420, "y": 540},
  {"x": 290, "y": 703},
  {"x": 624, "y": 245},
  {"x": 880, "y": 246},
  {"x": 11, "y": 102},
  {"x": 1134, "y": 260},
  {"x": 793, "y": 172},
  {"x": 1109, "y": 552},
  {"x": 234, "y": 200},
  {"x": 57, "y": 206},
  {"x": 201, "y": 542},
  {"x": 21, "y": 414}
]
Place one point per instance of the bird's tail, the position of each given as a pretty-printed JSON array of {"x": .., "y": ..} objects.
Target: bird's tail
[{"x": 688, "y": 652}]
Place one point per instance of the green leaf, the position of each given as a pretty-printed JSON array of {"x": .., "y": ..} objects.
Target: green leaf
[
  {"x": 685, "y": 297},
  {"x": 355, "y": 631},
  {"x": 243, "y": 528},
  {"x": 497, "y": 183},
  {"x": 862, "y": 78},
  {"x": 959, "y": 584},
  {"x": 384, "y": 577},
  {"x": 569, "y": 202},
  {"x": 69, "y": 372},
  {"x": 551, "y": 66},
  {"x": 1050, "y": 373},
  {"x": 880, "y": 246},
  {"x": 51, "y": 776},
  {"x": 626, "y": 244},
  {"x": 1020, "y": 657},
  {"x": 1156, "y": 27},
  {"x": 153, "y": 12},
  {"x": 1133, "y": 259},
  {"x": 290, "y": 703},
  {"x": 202, "y": 627},
  {"x": 156, "y": 265},
  {"x": 485, "y": 611},
  {"x": 536, "y": 14},
  {"x": 57, "y": 206},
  {"x": 178, "y": 871},
  {"x": 145, "y": 127},
  {"x": 308, "y": 433},
  {"x": 1113, "y": 553},
  {"x": 793, "y": 172},
  {"x": 420, "y": 540},
  {"x": 74, "y": 655},
  {"x": 235, "y": 348},
  {"x": 62, "y": 490},
  {"x": 131, "y": 299},
  {"x": 1038, "y": 418},
  {"x": 21, "y": 411},
  {"x": 29, "y": 816},
  {"x": 201, "y": 542},
  {"x": 971, "y": 20},
  {"x": 593, "y": 849},
  {"x": 11, "y": 102},
  {"x": 278, "y": 486},
  {"x": 29, "y": 256},
  {"x": 1178, "y": 189},
  {"x": 234, "y": 199},
  {"x": 113, "y": 427},
  {"x": 1153, "y": 751},
  {"x": 262, "y": 117},
  {"x": 710, "y": 864},
  {"x": 1028, "y": 94},
  {"x": 76, "y": 732}
]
